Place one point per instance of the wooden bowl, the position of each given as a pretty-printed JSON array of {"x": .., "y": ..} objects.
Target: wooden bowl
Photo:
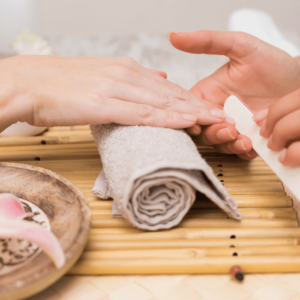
[{"x": 70, "y": 217}]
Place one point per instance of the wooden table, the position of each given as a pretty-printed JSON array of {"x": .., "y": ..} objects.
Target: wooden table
[{"x": 72, "y": 153}]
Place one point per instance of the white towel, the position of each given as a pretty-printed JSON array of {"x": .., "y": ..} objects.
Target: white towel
[{"x": 153, "y": 174}]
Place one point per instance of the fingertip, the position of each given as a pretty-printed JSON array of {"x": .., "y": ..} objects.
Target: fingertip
[
  {"x": 291, "y": 156},
  {"x": 219, "y": 133},
  {"x": 160, "y": 73},
  {"x": 197, "y": 129},
  {"x": 225, "y": 135},
  {"x": 229, "y": 120},
  {"x": 194, "y": 130},
  {"x": 190, "y": 117},
  {"x": 169, "y": 35},
  {"x": 247, "y": 142},
  {"x": 282, "y": 157},
  {"x": 260, "y": 116},
  {"x": 263, "y": 130},
  {"x": 243, "y": 143}
]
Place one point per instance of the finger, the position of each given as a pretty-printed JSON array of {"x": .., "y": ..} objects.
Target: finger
[
  {"x": 129, "y": 65},
  {"x": 168, "y": 90},
  {"x": 145, "y": 78},
  {"x": 173, "y": 89},
  {"x": 249, "y": 155},
  {"x": 117, "y": 111},
  {"x": 160, "y": 73},
  {"x": 241, "y": 145},
  {"x": 291, "y": 156},
  {"x": 165, "y": 101},
  {"x": 286, "y": 129},
  {"x": 217, "y": 134},
  {"x": 278, "y": 110},
  {"x": 232, "y": 44},
  {"x": 260, "y": 116},
  {"x": 194, "y": 130}
]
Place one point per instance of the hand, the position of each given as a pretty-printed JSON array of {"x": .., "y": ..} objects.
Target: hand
[
  {"x": 257, "y": 72},
  {"x": 281, "y": 124},
  {"x": 53, "y": 90}
]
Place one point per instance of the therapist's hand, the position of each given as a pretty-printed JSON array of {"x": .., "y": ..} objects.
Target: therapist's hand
[
  {"x": 281, "y": 125},
  {"x": 53, "y": 90},
  {"x": 258, "y": 73}
]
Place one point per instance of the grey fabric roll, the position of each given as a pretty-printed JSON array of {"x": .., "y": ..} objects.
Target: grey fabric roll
[{"x": 153, "y": 174}]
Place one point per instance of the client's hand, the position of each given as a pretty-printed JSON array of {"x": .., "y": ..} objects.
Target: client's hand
[
  {"x": 281, "y": 124},
  {"x": 53, "y": 90},
  {"x": 257, "y": 72}
]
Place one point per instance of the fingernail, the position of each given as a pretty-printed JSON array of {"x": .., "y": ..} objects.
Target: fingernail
[
  {"x": 169, "y": 35},
  {"x": 270, "y": 141},
  {"x": 225, "y": 135},
  {"x": 263, "y": 129},
  {"x": 188, "y": 117},
  {"x": 195, "y": 131},
  {"x": 229, "y": 120},
  {"x": 218, "y": 113},
  {"x": 282, "y": 156},
  {"x": 239, "y": 145},
  {"x": 261, "y": 115}
]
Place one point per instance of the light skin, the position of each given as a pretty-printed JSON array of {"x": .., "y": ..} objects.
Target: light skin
[
  {"x": 62, "y": 91},
  {"x": 258, "y": 73},
  {"x": 281, "y": 125}
]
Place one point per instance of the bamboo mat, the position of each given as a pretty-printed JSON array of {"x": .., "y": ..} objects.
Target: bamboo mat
[{"x": 265, "y": 241}]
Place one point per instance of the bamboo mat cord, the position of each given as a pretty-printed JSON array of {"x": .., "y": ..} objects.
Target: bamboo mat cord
[{"x": 265, "y": 240}]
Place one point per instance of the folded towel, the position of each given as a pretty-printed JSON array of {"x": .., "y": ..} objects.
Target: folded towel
[{"x": 153, "y": 174}]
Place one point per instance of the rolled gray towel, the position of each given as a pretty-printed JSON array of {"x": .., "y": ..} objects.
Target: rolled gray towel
[{"x": 153, "y": 174}]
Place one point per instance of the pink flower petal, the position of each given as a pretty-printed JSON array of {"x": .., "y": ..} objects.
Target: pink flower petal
[
  {"x": 34, "y": 233},
  {"x": 10, "y": 207}
]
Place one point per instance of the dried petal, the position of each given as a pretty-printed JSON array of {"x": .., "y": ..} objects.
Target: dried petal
[
  {"x": 34, "y": 233},
  {"x": 10, "y": 207},
  {"x": 12, "y": 226}
]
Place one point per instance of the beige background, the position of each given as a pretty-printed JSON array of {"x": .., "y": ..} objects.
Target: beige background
[
  {"x": 52, "y": 18},
  {"x": 155, "y": 16}
]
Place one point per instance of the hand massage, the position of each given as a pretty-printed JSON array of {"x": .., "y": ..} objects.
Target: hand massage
[
  {"x": 172, "y": 161},
  {"x": 49, "y": 91}
]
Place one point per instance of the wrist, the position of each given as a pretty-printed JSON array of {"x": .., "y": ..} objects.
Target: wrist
[{"x": 8, "y": 94}]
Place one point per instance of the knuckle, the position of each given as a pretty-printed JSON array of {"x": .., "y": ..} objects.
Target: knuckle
[
  {"x": 98, "y": 98},
  {"x": 167, "y": 100},
  {"x": 144, "y": 111},
  {"x": 127, "y": 60},
  {"x": 199, "y": 111},
  {"x": 180, "y": 92},
  {"x": 170, "y": 116},
  {"x": 121, "y": 70}
]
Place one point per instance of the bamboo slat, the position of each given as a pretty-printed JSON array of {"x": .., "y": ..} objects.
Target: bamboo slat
[
  {"x": 203, "y": 265},
  {"x": 191, "y": 252},
  {"x": 267, "y": 239},
  {"x": 232, "y": 234},
  {"x": 114, "y": 245}
]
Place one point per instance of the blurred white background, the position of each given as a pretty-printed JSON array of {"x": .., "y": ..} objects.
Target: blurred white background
[
  {"x": 138, "y": 28},
  {"x": 54, "y": 18}
]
